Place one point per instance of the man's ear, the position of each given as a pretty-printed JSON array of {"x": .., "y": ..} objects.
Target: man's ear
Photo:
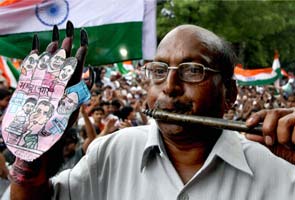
[{"x": 230, "y": 94}]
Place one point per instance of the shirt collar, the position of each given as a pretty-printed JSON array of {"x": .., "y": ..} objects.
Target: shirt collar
[
  {"x": 228, "y": 147},
  {"x": 152, "y": 145}
]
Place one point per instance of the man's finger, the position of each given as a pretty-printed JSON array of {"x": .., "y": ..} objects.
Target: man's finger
[
  {"x": 35, "y": 44},
  {"x": 81, "y": 56},
  {"x": 91, "y": 79},
  {"x": 255, "y": 138},
  {"x": 293, "y": 136},
  {"x": 255, "y": 118},
  {"x": 53, "y": 46},
  {"x": 68, "y": 41},
  {"x": 285, "y": 129}
]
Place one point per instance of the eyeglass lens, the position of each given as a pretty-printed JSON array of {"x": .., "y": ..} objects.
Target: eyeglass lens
[{"x": 190, "y": 72}]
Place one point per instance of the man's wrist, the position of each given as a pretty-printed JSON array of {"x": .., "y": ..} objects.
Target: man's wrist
[{"x": 25, "y": 173}]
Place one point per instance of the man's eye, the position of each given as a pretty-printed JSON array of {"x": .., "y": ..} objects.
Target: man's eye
[
  {"x": 193, "y": 70},
  {"x": 159, "y": 70}
]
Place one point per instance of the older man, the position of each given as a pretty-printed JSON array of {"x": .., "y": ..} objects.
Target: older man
[{"x": 191, "y": 75}]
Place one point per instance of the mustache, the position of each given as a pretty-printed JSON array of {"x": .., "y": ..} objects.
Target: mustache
[{"x": 176, "y": 105}]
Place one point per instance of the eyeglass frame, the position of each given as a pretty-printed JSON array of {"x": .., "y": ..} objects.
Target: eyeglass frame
[{"x": 144, "y": 68}]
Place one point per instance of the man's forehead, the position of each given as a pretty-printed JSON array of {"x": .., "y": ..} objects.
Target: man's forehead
[
  {"x": 193, "y": 32},
  {"x": 189, "y": 36}
]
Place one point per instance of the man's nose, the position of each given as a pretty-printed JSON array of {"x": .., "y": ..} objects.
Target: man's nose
[{"x": 173, "y": 86}]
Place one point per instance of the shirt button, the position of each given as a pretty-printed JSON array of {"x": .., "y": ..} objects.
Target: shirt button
[{"x": 183, "y": 196}]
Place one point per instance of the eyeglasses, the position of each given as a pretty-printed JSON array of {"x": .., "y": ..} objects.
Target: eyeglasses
[{"x": 189, "y": 72}]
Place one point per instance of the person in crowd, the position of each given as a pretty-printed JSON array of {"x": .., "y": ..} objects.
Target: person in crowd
[
  {"x": 97, "y": 116},
  {"x": 73, "y": 150},
  {"x": 108, "y": 114},
  {"x": 94, "y": 101},
  {"x": 128, "y": 117},
  {"x": 5, "y": 96},
  {"x": 103, "y": 127},
  {"x": 116, "y": 105},
  {"x": 3, "y": 167},
  {"x": 192, "y": 75},
  {"x": 108, "y": 93}
]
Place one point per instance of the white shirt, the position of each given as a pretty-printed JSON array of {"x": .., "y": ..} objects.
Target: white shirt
[{"x": 132, "y": 165}]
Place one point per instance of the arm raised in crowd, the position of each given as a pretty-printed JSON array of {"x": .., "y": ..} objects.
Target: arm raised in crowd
[{"x": 89, "y": 129}]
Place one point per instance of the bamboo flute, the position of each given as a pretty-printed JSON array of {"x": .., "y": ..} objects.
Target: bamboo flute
[{"x": 218, "y": 123}]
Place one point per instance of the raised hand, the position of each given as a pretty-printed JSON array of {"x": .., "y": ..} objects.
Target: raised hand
[{"x": 48, "y": 92}]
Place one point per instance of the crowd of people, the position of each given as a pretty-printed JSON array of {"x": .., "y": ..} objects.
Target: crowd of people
[{"x": 251, "y": 99}]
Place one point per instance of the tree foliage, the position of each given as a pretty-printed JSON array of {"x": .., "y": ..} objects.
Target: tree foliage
[{"x": 255, "y": 28}]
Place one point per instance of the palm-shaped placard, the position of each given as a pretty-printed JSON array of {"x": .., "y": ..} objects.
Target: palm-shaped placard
[{"x": 48, "y": 92}]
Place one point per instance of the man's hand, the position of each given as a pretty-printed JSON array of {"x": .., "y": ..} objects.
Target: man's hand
[
  {"x": 278, "y": 131},
  {"x": 58, "y": 91},
  {"x": 46, "y": 96}
]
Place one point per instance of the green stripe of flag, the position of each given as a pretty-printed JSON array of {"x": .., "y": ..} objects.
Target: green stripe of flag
[
  {"x": 121, "y": 68},
  {"x": 14, "y": 71},
  {"x": 104, "y": 47}
]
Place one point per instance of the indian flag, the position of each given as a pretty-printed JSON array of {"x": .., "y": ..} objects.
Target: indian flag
[
  {"x": 125, "y": 67},
  {"x": 113, "y": 26},
  {"x": 9, "y": 72},
  {"x": 263, "y": 76}
]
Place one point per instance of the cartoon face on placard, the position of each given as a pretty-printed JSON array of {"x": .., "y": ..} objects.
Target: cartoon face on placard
[
  {"x": 57, "y": 60},
  {"x": 29, "y": 64},
  {"x": 29, "y": 105},
  {"x": 44, "y": 61},
  {"x": 41, "y": 113},
  {"x": 67, "y": 103},
  {"x": 67, "y": 70}
]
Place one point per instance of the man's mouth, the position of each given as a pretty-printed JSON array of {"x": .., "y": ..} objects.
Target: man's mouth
[{"x": 175, "y": 107}]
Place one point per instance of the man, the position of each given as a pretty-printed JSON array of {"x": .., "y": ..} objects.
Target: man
[
  {"x": 67, "y": 103},
  {"x": 97, "y": 116},
  {"x": 38, "y": 118},
  {"x": 16, "y": 127},
  {"x": 5, "y": 96},
  {"x": 67, "y": 69},
  {"x": 108, "y": 115},
  {"x": 191, "y": 75}
]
